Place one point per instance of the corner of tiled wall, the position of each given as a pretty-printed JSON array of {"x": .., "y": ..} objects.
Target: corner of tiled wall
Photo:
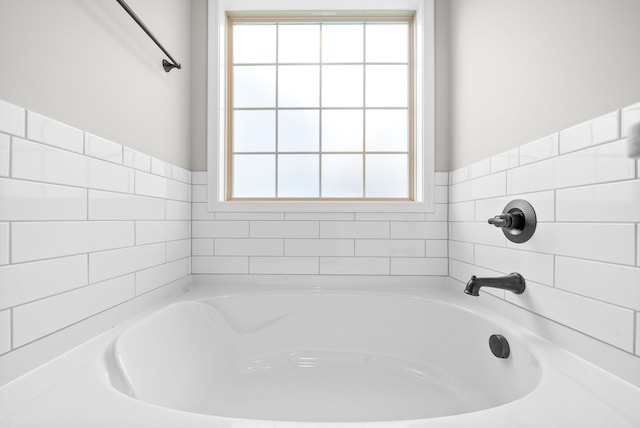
[
  {"x": 85, "y": 225},
  {"x": 582, "y": 265}
]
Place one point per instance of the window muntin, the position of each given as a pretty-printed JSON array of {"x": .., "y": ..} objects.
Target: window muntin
[{"x": 333, "y": 101}]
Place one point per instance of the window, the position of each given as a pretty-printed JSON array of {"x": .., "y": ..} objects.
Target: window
[{"x": 321, "y": 110}]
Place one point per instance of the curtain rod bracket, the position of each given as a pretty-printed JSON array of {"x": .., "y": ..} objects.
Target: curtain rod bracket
[{"x": 168, "y": 66}]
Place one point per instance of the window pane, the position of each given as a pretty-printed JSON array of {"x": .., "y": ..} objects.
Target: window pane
[
  {"x": 342, "y": 176},
  {"x": 298, "y": 176},
  {"x": 387, "y": 43},
  {"x": 254, "y": 131},
  {"x": 342, "y": 130},
  {"x": 254, "y": 86},
  {"x": 299, "y": 86},
  {"x": 342, "y": 85},
  {"x": 386, "y": 130},
  {"x": 342, "y": 43},
  {"x": 387, "y": 176},
  {"x": 387, "y": 86},
  {"x": 298, "y": 130},
  {"x": 299, "y": 43},
  {"x": 254, "y": 176},
  {"x": 254, "y": 44}
]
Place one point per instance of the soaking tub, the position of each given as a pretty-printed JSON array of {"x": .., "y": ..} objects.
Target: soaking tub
[{"x": 321, "y": 358}]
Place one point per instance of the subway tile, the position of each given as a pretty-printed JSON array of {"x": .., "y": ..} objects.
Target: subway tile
[
  {"x": 34, "y": 240},
  {"x": 608, "y": 162},
  {"x": 149, "y": 232},
  {"x": 535, "y": 267},
  {"x": 113, "y": 263},
  {"x": 440, "y": 213},
  {"x": 122, "y": 206},
  {"x": 178, "y": 249},
  {"x": 54, "y": 133},
  {"x": 490, "y": 186},
  {"x": 5, "y": 331},
  {"x": 24, "y": 282},
  {"x": 4, "y": 244},
  {"x": 477, "y": 233},
  {"x": 180, "y": 174},
  {"x": 33, "y": 161},
  {"x": 219, "y": 265},
  {"x": 348, "y": 229},
  {"x": 12, "y": 119},
  {"x": 462, "y": 211},
  {"x": 461, "y": 251},
  {"x": 543, "y": 204},
  {"x": 459, "y": 175},
  {"x": 612, "y": 202},
  {"x": 464, "y": 271},
  {"x": 441, "y": 178},
  {"x": 199, "y": 193},
  {"x": 460, "y": 192},
  {"x": 220, "y": 229},
  {"x": 136, "y": 160},
  {"x": 160, "y": 167},
  {"x": 199, "y": 211},
  {"x": 610, "y": 283},
  {"x": 284, "y": 229},
  {"x": 390, "y": 247},
  {"x": 419, "y": 230},
  {"x": 284, "y": 265},
  {"x": 157, "y": 276},
  {"x": 637, "y": 334},
  {"x": 540, "y": 149},
  {"x": 202, "y": 247},
  {"x": 273, "y": 216},
  {"x": 38, "y": 319},
  {"x": 436, "y": 248},
  {"x": 161, "y": 187},
  {"x": 630, "y": 115},
  {"x": 505, "y": 160},
  {"x": 638, "y": 243},
  {"x": 101, "y": 148},
  {"x": 611, "y": 324},
  {"x": 480, "y": 169},
  {"x": 354, "y": 266},
  {"x": 5, "y": 155},
  {"x": 249, "y": 247},
  {"x": 178, "y": 210},
  {"x": 319, "y": 247},
  {"x": 199, "y": 177},
  {"x": 392, "y": 216},
  {"x": 420, "y": 266},
  {"x": 25, "y": 200},
  {"x": 441, "y": 194},
  {"x": 613, "y": 243},
  {"x": 322, "y": 216},
  {"x": 591, "y": 133}
]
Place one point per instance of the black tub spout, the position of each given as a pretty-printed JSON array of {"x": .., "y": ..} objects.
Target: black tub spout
[{"x": 513, "y": 282}]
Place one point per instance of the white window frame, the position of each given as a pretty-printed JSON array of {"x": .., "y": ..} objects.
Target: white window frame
[{"x": 424, "y": 108}]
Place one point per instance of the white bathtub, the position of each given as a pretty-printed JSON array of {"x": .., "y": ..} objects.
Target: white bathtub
[{"x": 320, "y": 359}]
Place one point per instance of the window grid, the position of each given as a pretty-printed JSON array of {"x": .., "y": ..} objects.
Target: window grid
[{"x": 321, "y": 64}]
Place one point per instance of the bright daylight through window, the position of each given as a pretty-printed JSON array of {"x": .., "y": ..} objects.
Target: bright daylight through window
[{"x": 320, "y": 109}]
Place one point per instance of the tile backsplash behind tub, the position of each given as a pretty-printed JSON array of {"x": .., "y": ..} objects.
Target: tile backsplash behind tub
[
  {"x": 582, "y": 265},
  {"x": 85, "y": 225}
]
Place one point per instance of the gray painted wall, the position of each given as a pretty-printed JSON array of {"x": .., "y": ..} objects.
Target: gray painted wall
[
  {"x": 87, "y": 63},
  {"x": 507, "y": 72},
  {"x": 523, "y": 69}
]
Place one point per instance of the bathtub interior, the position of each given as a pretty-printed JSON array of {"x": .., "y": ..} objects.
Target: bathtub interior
[{"x": 320, "y": 357}]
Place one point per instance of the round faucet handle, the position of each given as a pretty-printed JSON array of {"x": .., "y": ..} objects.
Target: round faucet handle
[{"x": 501, "y": 220}]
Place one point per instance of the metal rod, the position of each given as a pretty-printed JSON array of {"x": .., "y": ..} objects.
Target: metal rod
[{"x": 165, "y": 64}]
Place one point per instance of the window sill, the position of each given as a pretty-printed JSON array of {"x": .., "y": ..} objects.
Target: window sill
[{"x": 320, "y": 206}]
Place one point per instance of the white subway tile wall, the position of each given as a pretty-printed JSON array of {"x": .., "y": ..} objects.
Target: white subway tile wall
[
  {"x": 582, "y": 264},
  {"x": 324, "y": 244},
  {"x": 85, "y": 225}
]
